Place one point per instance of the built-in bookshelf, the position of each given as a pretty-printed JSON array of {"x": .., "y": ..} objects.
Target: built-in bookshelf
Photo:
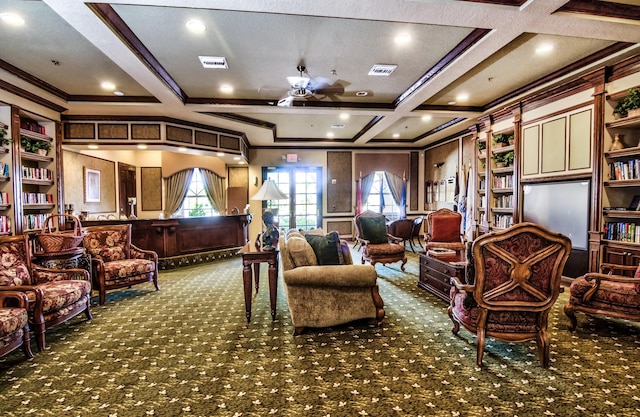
[
  {"x": 6, "y": 192},
  {"x": 502, "y": 150}
]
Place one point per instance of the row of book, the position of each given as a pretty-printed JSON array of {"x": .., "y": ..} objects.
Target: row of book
[
  {"x": 622, "y": 232},
  {"x": 5, "y": 224},
  {"x": 4, "y": 197},
  {"x": 503, "y": 181},
  {"x": 32, "y": 125},
  {"x": 37, "y": 173},
  {"x": 34, "y": 221},
  {"x": 627, "y": 170},
  {"x": 504, "y": 201},
  {"x": 502, "y": 221},
  {"x": 482, "y": 184},
  {"x": 37, "y": 198},
  {"x": 4, "y": 169}
]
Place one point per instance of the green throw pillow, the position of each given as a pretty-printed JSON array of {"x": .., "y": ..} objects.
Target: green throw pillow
[
  {"x": 374, "y": 229},
  {"x": 326, "y": 248}
]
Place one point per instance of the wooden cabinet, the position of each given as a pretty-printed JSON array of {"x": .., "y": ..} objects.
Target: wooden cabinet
[
  {"x": 436, "y": 272},
  {"x": 620, "y": 224}
]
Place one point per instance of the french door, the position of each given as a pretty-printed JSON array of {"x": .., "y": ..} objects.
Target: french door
[{"x": 304, "y": 187}]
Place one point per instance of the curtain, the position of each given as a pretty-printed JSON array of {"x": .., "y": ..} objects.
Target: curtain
[
  {"x": 395, "y": 184},
  {"x": 176, "y": 189},
  {"x": 366, "y": 183},
  {"x": 215, "y": 188}
]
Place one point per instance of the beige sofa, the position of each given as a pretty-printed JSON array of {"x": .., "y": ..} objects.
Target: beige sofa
[{"x": 326, "y": 295}]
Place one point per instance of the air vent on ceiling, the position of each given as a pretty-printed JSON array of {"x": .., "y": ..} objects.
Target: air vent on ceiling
[
  {"x": 337, "y": 126},
  {"x": 217, "y": 62},
  {"x": 382, "y": 70}
]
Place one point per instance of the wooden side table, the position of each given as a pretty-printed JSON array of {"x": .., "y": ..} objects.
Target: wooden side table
[
  {"x": 436, "y": 272},
  {"x": 252, "y": 255},
  {"x": 73, "y": 258}
]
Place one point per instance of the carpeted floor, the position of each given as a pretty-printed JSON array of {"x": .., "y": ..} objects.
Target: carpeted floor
[{"x": 188, "y": 351}]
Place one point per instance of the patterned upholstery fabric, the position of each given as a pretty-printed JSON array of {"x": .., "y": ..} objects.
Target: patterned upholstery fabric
[
  {"x": 622, "y": 297},
  {"x": 385, "y": 249},
  {"x": 13, "y": 268},
  {"x": 60, "y": 294},
  {"x": 116, "y": 262},
  {"x": 12, "y": 321},
  {"x": 498, "y": 321}
]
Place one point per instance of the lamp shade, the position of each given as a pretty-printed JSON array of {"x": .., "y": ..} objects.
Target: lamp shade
[{"x": 269, "y": 191}]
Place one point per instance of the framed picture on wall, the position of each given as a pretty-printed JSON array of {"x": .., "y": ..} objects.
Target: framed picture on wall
[{"x": 91, "y": 185}]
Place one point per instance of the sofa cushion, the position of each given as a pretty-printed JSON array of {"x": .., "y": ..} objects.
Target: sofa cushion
[
  {"x": 374, "y": 229},
  {"x": 326, "y": 248},
  {"x": 301, "y": 252}
]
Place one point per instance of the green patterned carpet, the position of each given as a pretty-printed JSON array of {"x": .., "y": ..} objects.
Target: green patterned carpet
[{"x": 188, "y": 351}]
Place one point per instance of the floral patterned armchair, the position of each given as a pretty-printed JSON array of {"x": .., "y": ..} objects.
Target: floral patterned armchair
[
  {"x": 116, "y": 262},
  {"x": 54, "y": 295},
  {"x": 614, "y": 292},
  {"x": 513, "y": 280},
  {"x": 14, "y": 323}
]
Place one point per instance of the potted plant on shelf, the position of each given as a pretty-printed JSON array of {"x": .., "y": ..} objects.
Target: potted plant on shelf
[
  {"x": 508, "y": 158},
  {"x": 482, "y": 149},
  {"x": 25, "y": 144},
  {"x": 4, "y": 140},
  {"x": 501, "y": 140},
  {"x": 629, "y": 105},
  {"x": 40, "y": 147},
  {"x": 499, "y": 160}
]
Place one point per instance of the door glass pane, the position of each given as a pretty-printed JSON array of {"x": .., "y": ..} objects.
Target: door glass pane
[{"x": 301, "y": 185}]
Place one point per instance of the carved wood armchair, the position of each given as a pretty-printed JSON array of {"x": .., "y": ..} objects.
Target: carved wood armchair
[
  {"x": 377, "y": 244},
  {"x": 514, "y": 279},
  {"x": 443, "y": 230},
  {"x": 116, "y": 262},
  {"x": 14, "y": 323},
  {"x": 54, "y": 295},
  {"x": 614, "y": 292}
]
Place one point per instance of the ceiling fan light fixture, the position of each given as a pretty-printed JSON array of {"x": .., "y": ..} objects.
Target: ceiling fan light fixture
[
  {"x": 300, "y": 92},
  {"x": 298, "y": 82}
]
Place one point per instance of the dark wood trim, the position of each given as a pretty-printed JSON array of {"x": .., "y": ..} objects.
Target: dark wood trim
[
  {"x": 556, "y": 178},
  {"x": 367, "y": 127},
  {"x": 602, "y": 9},
  {"x": 35, "y": 81},
  {"x": 439, "y": 128},
  {"x": 596, "y": 56},
  {"x": 458, "y": 50},
  {"x": 244, "y": 119},
  {"x": 622, "y": 69},
  {"x": 516, "y": 3},
  {"x": 31, "y": 97},
  {"x": 113, "y": 99},
  {"x": 325, "y": 140},
  {"x": 443, "y": 107},
  {"x": 297, "y": 103},
  {"x": 561, "y": 91},
  {"x": 556, "y": 113},
  {"x": 114, "y": 22}
]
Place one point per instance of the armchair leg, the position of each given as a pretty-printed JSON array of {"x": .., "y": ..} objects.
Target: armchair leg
[
  {"x": 26, "y": 343},
  {"x": 297, "y": 331},
  {"x": 102, "y": 296},
  {"x": 379, "y": 304},
  {"x": 155, "y": 280},
  {"x": 569, "y": 311}
]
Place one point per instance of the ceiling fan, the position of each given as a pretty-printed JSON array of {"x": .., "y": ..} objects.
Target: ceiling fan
[{"x": 304, "y": 87}]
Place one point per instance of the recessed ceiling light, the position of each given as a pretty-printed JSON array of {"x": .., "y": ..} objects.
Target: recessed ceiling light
[
  {"x": 108, "y": 85},
  {"x": 182, "y": 149},
  {"x": 396, "y": 135},
  {"x": 330, "y": 134},
  {"x": 196, "y": 26},
  {"x": 361, "y": 94},
  {"x": 236, "y": 158},
  {"x": 544, "y": 49},
  {"x": 118, "y": 93},
  {"x": 220, "y": 154},
  {"x": 426, "y": 118},
  {"x": 93, "y": 147},
  {"x": 344, "y": 116},
  {"x": 226, "y": 88},
  {"x": 462, "y": 97},
  {"x": 402, "y": 39},
  {"x": 142, "y": 146},
  {"x": 12, "y": 19},
  {"x": 242, "y": 162},
  {"x": 451, "y": 103}
]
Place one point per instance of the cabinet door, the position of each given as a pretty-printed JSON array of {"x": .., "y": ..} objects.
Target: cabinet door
[{"x": 615, "y": 256}]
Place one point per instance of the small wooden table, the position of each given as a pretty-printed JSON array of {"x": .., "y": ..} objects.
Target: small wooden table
[
  {"x": 252, "y": 255},
  {"x": 436, "y": 272}
]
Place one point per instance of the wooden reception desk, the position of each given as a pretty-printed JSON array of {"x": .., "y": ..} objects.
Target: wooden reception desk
[{"x": 186, "y": 236}]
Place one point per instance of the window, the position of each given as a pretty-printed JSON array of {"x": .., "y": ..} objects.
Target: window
[
  {"x": 380, "y": 198},
  {"x": 196, "y": 203},
  {"x": 302, "y": 210}
]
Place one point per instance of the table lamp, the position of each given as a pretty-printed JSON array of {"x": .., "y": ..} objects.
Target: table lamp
[{"x": 269, "y": 191}]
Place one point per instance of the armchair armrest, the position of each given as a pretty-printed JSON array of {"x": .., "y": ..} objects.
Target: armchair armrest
[
  {"x": 332, "y": 276},
  {"x": 137, "y": 253},
  {"x": 460, "y": 286},
  {"x": 597, "y": 277},
  {"x": 394, "y": 239},
  {"x": 615, "y": 269},
  {"x": 19, "y": 298},
  {"x": 42, "y": 274}
]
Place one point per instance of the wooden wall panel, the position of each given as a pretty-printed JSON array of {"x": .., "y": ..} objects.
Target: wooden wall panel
[
  {"x": 151, "y": 188},
  {"x": 413, "y": 181},
  {"x": 339, "y": 182},
  {"x": 113, "y": 131},
  {"x": 238, "y": 190},
  {"x": 179, "y": 134},
  {"x": 145, "y": 131},
  {"x": 344, "y": 228}
]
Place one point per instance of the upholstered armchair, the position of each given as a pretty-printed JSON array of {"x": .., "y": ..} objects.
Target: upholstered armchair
[
  {"x": 54, "y": 295},
  {"x": 326, "y": 289},
  {"x": 513, "y": 280},
  {"x": 614, "y": 292},
  {"x": 14, "y": 323},
  {"x": 377, "y": 244},
  {"x": 443, "y": 230},
  {"x": 116, "y": 262}
]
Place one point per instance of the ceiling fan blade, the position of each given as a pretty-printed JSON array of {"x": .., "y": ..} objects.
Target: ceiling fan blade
[{"x": 334, "y": 89}]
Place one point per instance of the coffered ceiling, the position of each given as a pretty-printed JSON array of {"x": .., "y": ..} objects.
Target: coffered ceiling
[{"x": 456, "y": 61}]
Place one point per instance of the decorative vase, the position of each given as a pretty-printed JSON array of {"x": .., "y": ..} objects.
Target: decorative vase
[
  {"x": 43, "y": 152},
  {"x": 617, "y": 143}
]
